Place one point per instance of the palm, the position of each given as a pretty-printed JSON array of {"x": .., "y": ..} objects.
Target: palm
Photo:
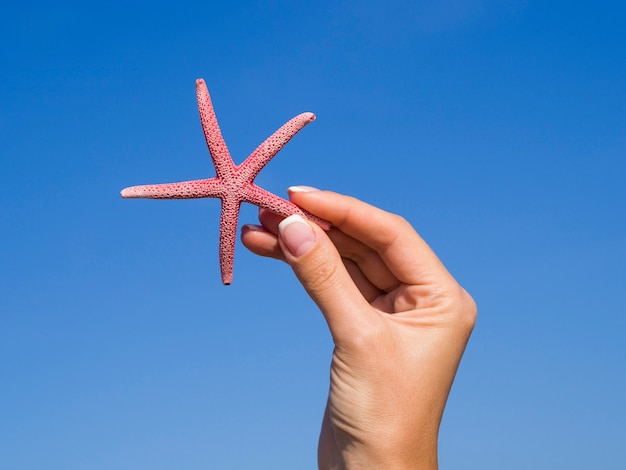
[{"x": 399, "y": 322}]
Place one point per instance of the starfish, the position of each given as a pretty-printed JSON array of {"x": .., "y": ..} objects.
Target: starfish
[{"x": 233, "y": 184}]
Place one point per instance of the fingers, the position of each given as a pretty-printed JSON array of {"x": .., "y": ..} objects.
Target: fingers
[
  {"x": 262, "y": 240},
  {"x": 319, "y": 267},
  {"x": 365, "y": 259},
  {"x": 368, "y": 290},
  {"x": 404, "y": 253}
]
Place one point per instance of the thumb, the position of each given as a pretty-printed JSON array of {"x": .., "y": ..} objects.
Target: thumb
[{"x": 319, "y": 267}]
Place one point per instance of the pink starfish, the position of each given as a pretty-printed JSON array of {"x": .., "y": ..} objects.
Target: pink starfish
[{"x": 233, "y": 184}]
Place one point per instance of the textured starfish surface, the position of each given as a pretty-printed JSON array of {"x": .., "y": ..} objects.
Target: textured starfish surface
[{"x": 233, "y": 184}]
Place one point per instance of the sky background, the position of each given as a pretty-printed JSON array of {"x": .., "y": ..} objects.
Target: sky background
[{"x": 495, "y": 127}]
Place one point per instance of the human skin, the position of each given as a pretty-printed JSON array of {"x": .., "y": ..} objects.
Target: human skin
[{"x": 399, "y": 321}]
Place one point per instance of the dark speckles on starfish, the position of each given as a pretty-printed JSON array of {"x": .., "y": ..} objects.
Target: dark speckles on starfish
[{"x": 233, "y": 184}]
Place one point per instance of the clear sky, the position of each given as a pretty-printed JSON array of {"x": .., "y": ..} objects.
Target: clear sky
[{"x": 496, "y": 127}]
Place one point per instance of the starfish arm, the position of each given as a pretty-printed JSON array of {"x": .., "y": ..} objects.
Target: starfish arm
[
  {"x": 211, "y": 187},
  {"x": 272, "y": 145},
  {"x": 220, "y": 155},
  {"x": 232, "y": 184},
  {"x": 228, "y": 236},
  {"x": 262, "y": 198}
]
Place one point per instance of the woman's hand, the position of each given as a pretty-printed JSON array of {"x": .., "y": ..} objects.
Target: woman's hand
[{"x": 399, "y": 321}]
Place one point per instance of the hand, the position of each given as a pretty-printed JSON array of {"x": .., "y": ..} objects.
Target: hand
[{"x": 399, "y": 321}]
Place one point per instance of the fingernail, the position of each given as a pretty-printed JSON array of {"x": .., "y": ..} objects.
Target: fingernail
[
  {"x": 254, "y": 228},
  {"x": 297, "y": 235},
  {"x": 301, "y": 189}
]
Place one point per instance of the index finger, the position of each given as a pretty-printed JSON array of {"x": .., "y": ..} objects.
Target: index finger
[{"x": 404, "y": 252}]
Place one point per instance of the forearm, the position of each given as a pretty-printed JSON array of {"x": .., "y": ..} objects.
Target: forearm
[
  {"x": 389, "y": 453},
  {"x": 424, "y": 458}
]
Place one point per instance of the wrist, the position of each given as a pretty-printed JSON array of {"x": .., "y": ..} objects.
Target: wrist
[
  {"x": 381, "y": 455},
  {"x": 409, "y": 459}
]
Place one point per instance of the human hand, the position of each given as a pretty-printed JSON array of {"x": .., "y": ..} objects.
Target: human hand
[{"x": 399, "y": 321}]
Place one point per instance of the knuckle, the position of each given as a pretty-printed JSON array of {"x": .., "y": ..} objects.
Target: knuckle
[
  {"x": 467, "y": 309},
  {"x": 319, "y": 275},
  {"x": 460, "y": 306}
]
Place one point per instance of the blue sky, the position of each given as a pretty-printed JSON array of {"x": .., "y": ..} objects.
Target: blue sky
[{"x": 496, "y": 128}]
